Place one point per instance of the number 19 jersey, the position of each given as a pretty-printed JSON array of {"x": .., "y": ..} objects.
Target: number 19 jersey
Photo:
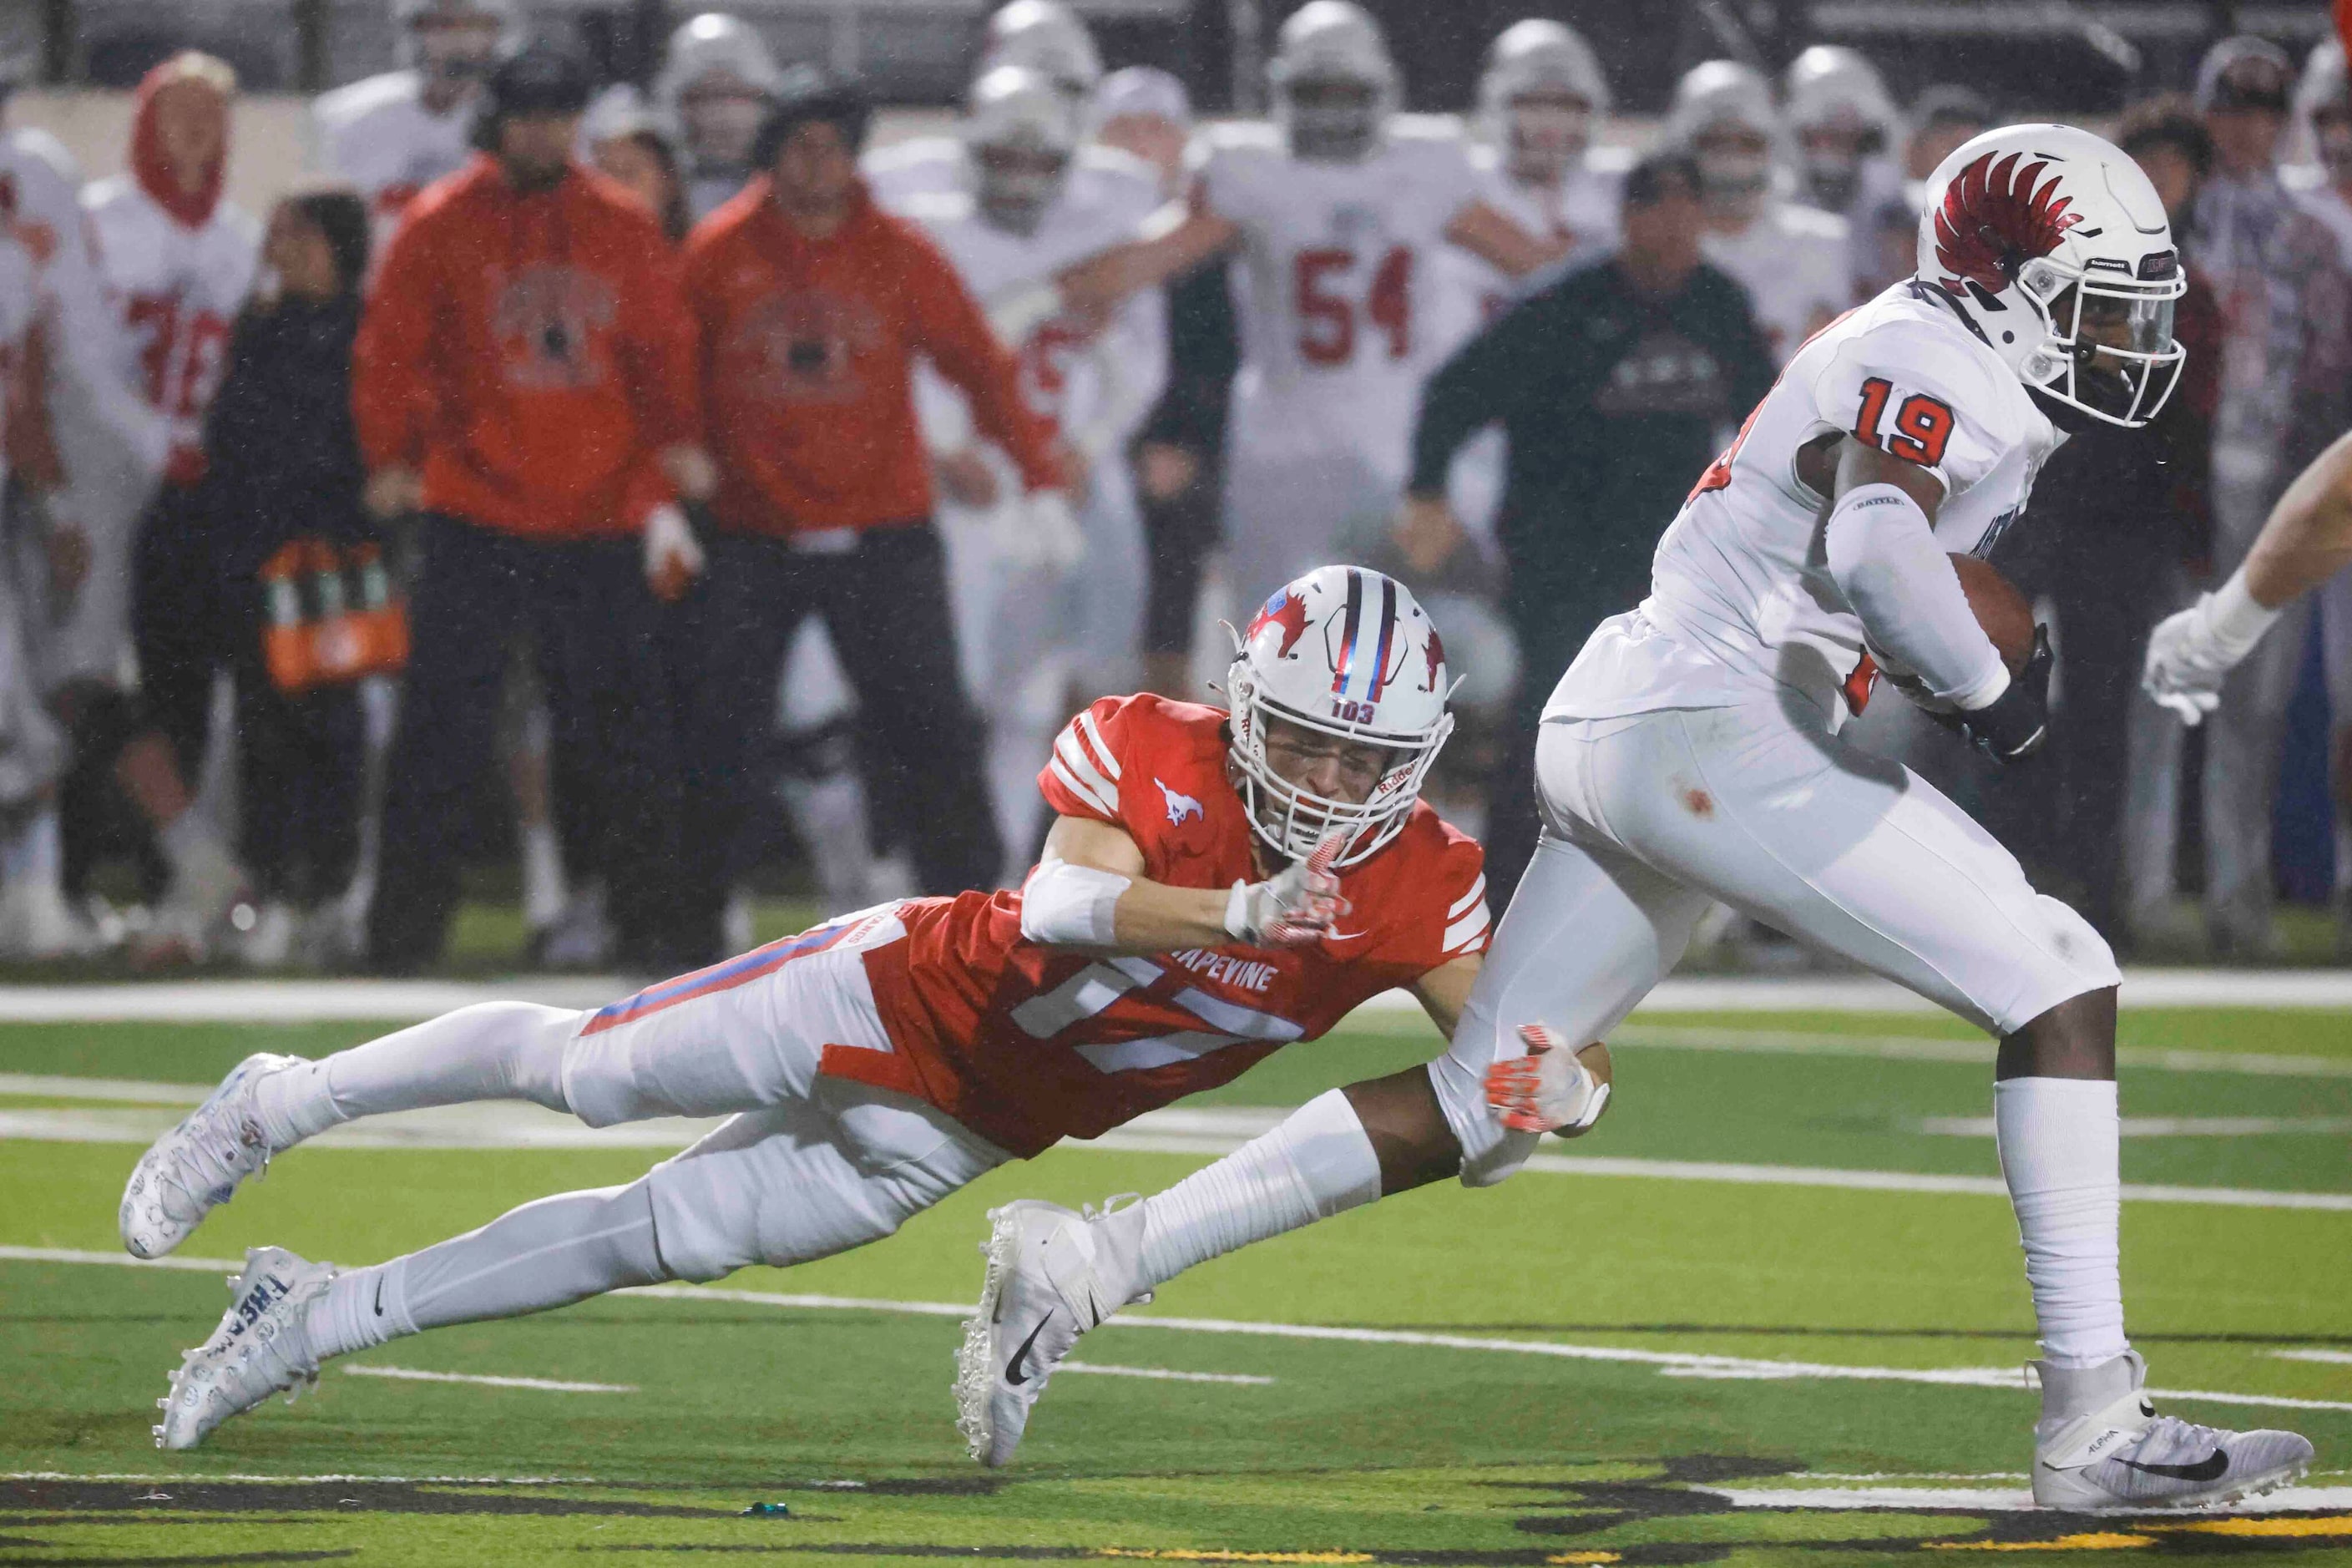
[
  {"x": 1341, "y": 303},
  {"x": 1741, "y": 598}
]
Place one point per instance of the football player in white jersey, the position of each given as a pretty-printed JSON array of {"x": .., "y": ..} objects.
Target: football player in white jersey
[
  {"x": 176, "y": 260},
  {"x": 392, "y": 135},
  {"x": 1042, "y": 635},
  {"x": 1794, "y": 260},
  {"x": 1691, "y": 753},
  {"x": 1040, "y": 35},
  {"x": 1845, "y": 130},
  {"x": 715, "y": 86},
  {"x": 1340, "y": 212}
]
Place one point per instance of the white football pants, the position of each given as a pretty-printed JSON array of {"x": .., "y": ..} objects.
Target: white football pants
[{"x": 1648, "y": 819}]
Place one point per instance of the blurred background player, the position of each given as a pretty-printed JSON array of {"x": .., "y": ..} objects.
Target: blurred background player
[
  {"x": 176, "y": 259},
  {"x": 1845, "y": 129},
  {"x": 1145, "y": 112},
  {"x": 1793, "y": 259},
  {"x": 392, "y": 135},
  {"x": 1044, "y": 630},
  {"x": 1338, "y": 210},
  {"x": 715, "y": 86},
  {"x": 626, "y": 139}
]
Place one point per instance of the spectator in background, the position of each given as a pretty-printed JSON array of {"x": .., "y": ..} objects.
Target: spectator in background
[
  {"x": 2254, "y": 247},
  {"x": 392, "y": 135},
  {"x": 284, "y": 466},
  {"x": 2323, "y": 404},
  {"x": 1614, "y": 386},
  {"x": 523, "y": 378},
  {"x": 812, "y": 306},
  {"x": 2129, "y": 510},
  {"x": 715, "y": 86},
  {"x": 627, "y": 143},
  {"x": 176, "y": 260},
  {"x": 1145, "y": 112}
]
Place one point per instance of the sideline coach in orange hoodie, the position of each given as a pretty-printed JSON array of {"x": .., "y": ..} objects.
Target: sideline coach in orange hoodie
[
  {"x": 812, "y": 306},
  {"x": 524, "y": 378}
]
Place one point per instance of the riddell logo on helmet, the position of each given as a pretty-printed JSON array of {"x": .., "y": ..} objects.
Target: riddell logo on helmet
[{"x": 1995, "y": 218}]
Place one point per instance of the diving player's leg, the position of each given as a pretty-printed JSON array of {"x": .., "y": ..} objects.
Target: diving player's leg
[{"x": 268, "y": 1103}]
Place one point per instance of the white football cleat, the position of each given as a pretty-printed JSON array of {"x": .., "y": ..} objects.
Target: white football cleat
[
  {"x": 1053, "y": 1274},
  {"x": 198, "y": 1165},
  {"x": 260, "y": 1349},
  {"x": 2122, "y": 1456}
]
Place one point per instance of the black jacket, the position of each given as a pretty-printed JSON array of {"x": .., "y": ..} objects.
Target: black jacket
[
  {"x": 283, "y": 458},
  {"x": 1613, "y": 403}
]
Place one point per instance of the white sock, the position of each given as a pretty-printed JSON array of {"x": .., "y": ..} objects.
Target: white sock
[
  {"x": 546, "y": 1254},
  {"x": 189, "y": 842},
  {"x": 2060, "y": 1151},
  {"x": 1318, "y": 1162},
  {"x": 35, "y": 852},
  {"x": 492, "y": 1050}
]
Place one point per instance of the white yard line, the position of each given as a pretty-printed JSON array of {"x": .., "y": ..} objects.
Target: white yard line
[
  {"x": 2163, "y": 1126},
  {"x": 2333, "y": 1358},
  {"x": 1167, "y": 1374},
  {"x": 547, "y": 1385},
  {"x": 1684, "y": 1363},
  {"x": 1899, "y": 1047},
  {"x": 1199, "y": 1132},
  {"x": 320, "y": 1001}
]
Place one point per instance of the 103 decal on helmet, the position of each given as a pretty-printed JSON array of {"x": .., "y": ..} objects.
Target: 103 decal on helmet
[
  {"x": 1344, "y": 652},
  {"x": 2055, "y": 249}
]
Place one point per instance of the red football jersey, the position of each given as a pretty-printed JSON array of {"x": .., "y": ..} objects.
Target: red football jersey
[{"x": 1028, "y": 1045}]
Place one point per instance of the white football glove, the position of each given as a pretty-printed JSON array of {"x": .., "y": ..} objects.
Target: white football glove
[
  {"x": 1549, "y": 1090},
  {"x": 2190, "y": 653},
  {"x": 673, "y": 555},
  {"x": 1040, "y": 532},
  {"x": 1297, "y": 907}
]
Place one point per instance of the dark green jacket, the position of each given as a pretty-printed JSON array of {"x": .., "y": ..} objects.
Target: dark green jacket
[{"x": 1613, "y": 404}]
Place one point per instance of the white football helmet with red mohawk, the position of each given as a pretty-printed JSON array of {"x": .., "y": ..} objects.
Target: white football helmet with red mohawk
[
  {"x": 2055, "y": 248},
  {"x": 1348, "y": 652}
]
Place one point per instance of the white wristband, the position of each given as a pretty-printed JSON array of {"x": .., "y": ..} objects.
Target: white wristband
[
  {"x": 1237, "y": 922},
  {"x": 1073, "y": 906},
  {"x": 2235, "y": 619}
]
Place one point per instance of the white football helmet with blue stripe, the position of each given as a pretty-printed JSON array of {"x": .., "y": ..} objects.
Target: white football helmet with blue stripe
[{"x": 1348, "y": 652}]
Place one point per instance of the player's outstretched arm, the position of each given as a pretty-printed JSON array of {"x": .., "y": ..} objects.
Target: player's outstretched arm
[
  {"x": 1495, "y": 239},
  {"x": 1172, "y": 241},
  {"x": 2306, "y": 540},
  {"x": 1088, "y": 891}
]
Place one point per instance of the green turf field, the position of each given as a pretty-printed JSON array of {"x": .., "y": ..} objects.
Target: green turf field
[{"x": 1655, "y": 1364}]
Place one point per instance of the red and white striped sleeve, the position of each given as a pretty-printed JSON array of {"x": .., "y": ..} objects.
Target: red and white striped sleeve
[
  {"x": 1082, "y": 777},
  {"x": 1466, "y": 923}
]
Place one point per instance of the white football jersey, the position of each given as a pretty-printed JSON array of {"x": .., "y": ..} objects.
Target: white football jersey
[
  {"x": 1742, "y": 599},
  {"x": 1581, "y": 210},
  {"x": 175, "y": 291},
  {"x": 1342, "y": 302},
  {"x": 378, "y": 135},
  {"x": 19, "y": 301},
  {"x": 1797, "y": 265},
  {"x": 1097, "y": 386}
]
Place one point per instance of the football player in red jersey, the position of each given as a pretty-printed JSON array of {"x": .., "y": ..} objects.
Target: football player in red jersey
[{"x": 1217, "y": 886}]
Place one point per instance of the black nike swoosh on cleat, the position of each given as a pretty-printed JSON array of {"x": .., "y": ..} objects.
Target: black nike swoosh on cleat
[
  {"x": 379, "y": 1296},
  {"x": 2211, "y": 1468},
  {"x": 1013, "y": 1372}
]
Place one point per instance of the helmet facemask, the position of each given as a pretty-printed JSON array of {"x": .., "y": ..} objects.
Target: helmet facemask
[
  {"x": 1333, "y": 119},
  {"x": 722, "y": 115},
  {"x": 1293, "y": 819},
  {"x": 1549, "y": 128},
  {"x": 2109, "y": 349},
  {"x": 1017, "y": 180},
  {"x": 454, "y": 47},
  {"x": 1734, "y": 167}
]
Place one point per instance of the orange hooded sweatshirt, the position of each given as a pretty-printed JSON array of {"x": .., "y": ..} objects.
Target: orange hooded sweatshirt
[
  {"x": 807, "y": 354},
  {"x": 528, "y": 351}
]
